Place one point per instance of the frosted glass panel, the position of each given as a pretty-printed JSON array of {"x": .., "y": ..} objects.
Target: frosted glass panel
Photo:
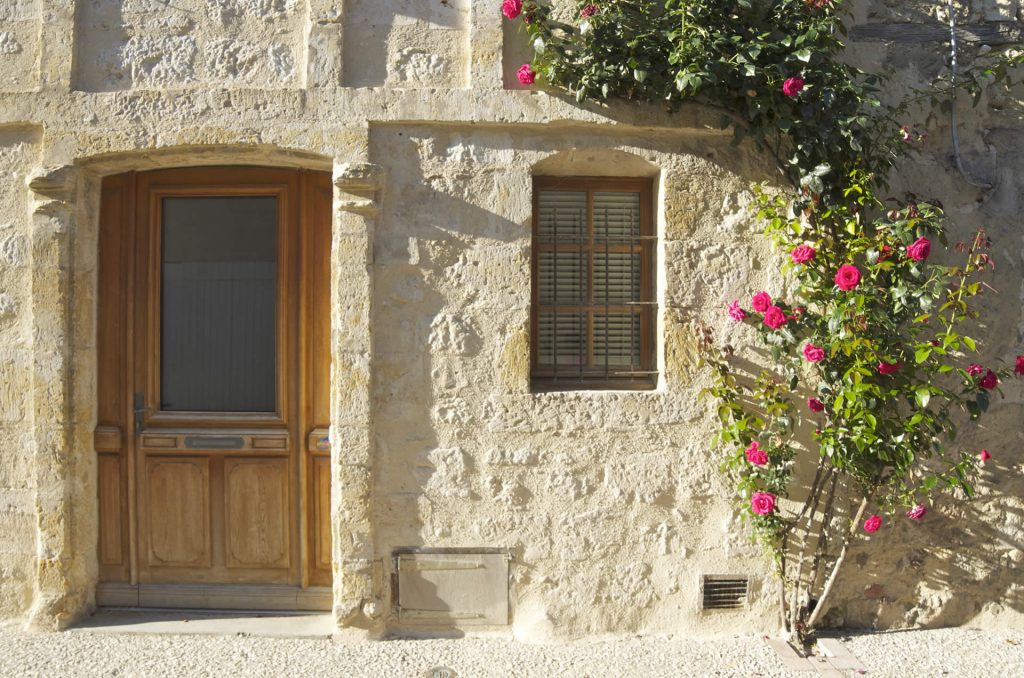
[{"x": 219, "y": 310}]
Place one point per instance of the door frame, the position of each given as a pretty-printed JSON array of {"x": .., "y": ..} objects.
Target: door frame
[{"x": 303, "y": 362}]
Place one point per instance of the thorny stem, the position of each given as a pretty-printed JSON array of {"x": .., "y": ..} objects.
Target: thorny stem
[
  {"x": 821, "y": 606},
  {"x": 812, "y": 504},
  {"x": 789, "y": 610},
  {"x": 962, "y": 275},
  {"x": 822, "y": 546}
]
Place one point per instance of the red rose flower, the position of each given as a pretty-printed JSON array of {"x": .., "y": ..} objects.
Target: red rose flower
[
  {"x": 760, "y": 302},
  {"x": 588, "y": 10},
  {"x": 774, "y": 317},
  {"x": 526, "y": 74},
  {"x": 813, "y": 354},
  {"x": 919, "y": 249},
  {"x": 801, "y": 254},
  {"x": 917, "y": 512},
  {"x": 847, "y": 277},
  {"x": 984, "y": 456},
  {"x": 792, "y": 86},
  {"x": 1019, "y": 367},
  {"x": 511, "y": 8},
  {"x": 815, "y": 405},
  {"x": 762, "y": 503},
  {"x": 974, "y": 369},
  {"x": 989, "y": 381},
  {"x": 888, "y": 368},
  {"x": 755, "y": 455},
  {"x": 872, "y": 524},
  {"x": 735, "y": 312}
]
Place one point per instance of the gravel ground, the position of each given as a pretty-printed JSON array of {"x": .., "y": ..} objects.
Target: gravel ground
[{"x": 961, "y": 653}]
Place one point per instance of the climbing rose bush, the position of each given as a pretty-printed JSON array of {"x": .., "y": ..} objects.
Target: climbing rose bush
[
  {"x": 869, "y": 334},
  {"x": 879, "y": 343}
]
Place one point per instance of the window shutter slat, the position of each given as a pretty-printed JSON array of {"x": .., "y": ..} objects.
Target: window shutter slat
[
  {"x": 562, "y": 215},
  {"x": 563, "y": 334},
  {"x": 616, "y": 277},
  {"x": 571, "y": 278},
  {"x": 618, "y": 337},
  {"x": 616, "y": 216}
]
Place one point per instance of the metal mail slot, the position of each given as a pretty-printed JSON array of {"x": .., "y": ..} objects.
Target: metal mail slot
[{"x": 214, "y": 442}]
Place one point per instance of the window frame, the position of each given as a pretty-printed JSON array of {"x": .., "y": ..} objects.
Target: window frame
[{"x": 573, "y": 378}]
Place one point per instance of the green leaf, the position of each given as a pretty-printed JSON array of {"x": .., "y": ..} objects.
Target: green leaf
[
  {"x": 969, "y": 343},
  {"x": 982, "y": 400},
  {"x": 921, "y": 354},
  {"x": 923, "y": 396},
  {"x": 803, "y": 55}
]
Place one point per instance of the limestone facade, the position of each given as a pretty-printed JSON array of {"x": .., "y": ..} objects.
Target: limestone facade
[{"x": 609, "y": 502}]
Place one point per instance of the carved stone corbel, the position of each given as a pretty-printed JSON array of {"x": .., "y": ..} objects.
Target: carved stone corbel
[{"x": 359, "y": 185}]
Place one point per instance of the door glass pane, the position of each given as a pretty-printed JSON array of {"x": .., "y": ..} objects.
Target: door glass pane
[{"x": 219, "y": 310}]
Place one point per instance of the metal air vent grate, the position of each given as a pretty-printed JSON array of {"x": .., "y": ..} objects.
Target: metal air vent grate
[{"x": 723, "y": 592}]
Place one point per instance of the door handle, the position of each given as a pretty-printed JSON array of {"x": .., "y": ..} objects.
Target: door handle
[{"x": 140, "y": 410}]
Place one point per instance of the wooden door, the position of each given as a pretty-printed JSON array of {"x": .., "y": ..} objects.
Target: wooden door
[{"x": 214, "y": 367}]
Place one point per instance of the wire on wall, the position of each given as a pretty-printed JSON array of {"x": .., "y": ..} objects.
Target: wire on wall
[{"x": 952, "y": 109}]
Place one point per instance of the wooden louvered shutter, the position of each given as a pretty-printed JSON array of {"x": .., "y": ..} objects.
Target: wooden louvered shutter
[{"x": 593, "y": 303}]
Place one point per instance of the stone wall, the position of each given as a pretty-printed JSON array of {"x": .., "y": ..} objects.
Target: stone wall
[
  {"x": 609, "y": 502},
  {"x": 19, "y": 153}
]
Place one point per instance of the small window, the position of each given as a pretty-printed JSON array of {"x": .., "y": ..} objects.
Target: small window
[{"x": 593, "y": 291}]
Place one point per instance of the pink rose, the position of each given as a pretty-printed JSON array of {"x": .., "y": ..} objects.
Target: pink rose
[
  {"x": 1019, "y": 367},
  {"x": 884, "y": 253},
  {"x": 792, "y": 86},
  {"x": 888, "y": 368},
  {"x": 872, "y": 523},
  {"x": 762, "y": 503},
  {"x": 989, "y": 381},
  {"x": 588, "y": 10},
  {"x": 919, "y": 249},
  {"x": 735, "y": 312},
  {"x": 511, "y": 8},
  {"x": 801, "y": 254},
  {"x": 761, "y": 302},
  {"x": 984, "y": 456},
  {"x": 917, "y": 512},
  {"x": 813, "y": 354},
  {"x": 526, "y": 74},
  {"x": 755, "y": 455},
  {"x": 774, "y": 317},
  {"x": 974, "y": 369},
  {"x": 815, "y": 405},
  {"x": 847, "y": 277}
]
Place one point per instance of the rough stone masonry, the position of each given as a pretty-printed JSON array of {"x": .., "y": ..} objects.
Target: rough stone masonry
[{"x": 609, "y": 502}]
